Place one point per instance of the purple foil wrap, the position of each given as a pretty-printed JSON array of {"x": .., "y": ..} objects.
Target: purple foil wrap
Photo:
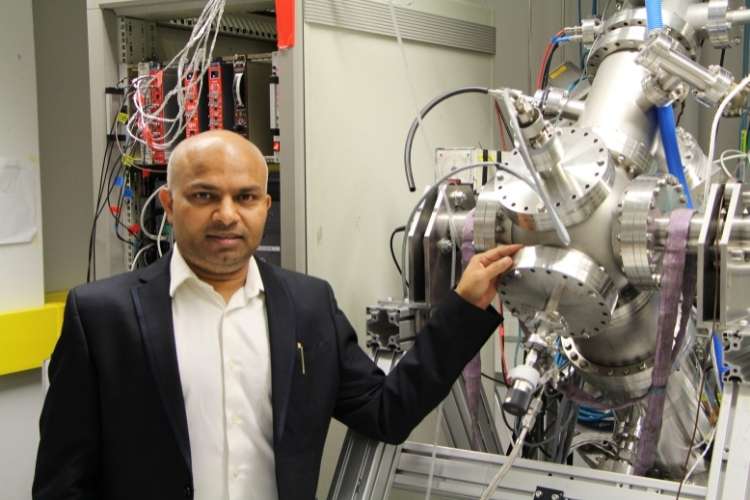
[
  {"x": 678, "y": 279},
  {"x": 472, "y": 373}
]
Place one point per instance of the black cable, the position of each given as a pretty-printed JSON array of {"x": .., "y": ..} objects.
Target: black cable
[
  {"x": 721, "y": 59},
  {"x": 496, "y": 380},
  {"x": 393, "y": 253},
  {"x": 117, "y": 214},
  {"x": 548, "y": 65},
  {"x": 547, "y": 430},
  {"x": 100, "y": 191},
  {"x": 505, "y": 421},
  {"x": 679, "y": 115},
  {"x": 106, "y": 160},
  {"x": 422, "y": 114},
  {"x": 697, "y": 419}
]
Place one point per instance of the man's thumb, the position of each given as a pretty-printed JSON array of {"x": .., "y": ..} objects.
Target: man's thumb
[{"x": 498, "y": 267}]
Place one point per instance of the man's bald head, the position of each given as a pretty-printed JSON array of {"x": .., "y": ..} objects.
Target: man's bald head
[
  {"x": 196, "y": 152},
  {"x": 217, "y": 202}
]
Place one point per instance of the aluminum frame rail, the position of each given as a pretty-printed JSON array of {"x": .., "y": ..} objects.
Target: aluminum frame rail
[
  {"x": 729, "y": 476},
  {"x": 464, "y": 474},
  {"x": 366, "y": 467},
  {"x": 370, "y": 470}
]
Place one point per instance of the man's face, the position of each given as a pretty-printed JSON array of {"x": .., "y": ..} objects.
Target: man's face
[{"x": 217, "y": 205}]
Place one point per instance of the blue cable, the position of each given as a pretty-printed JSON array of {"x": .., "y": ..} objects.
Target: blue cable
[
  {"x": 665, "y": 114},
  {"x": 580, "y": 45},
  {"x": 718, "y": 352},
  {"x": 585, "y": 414}
]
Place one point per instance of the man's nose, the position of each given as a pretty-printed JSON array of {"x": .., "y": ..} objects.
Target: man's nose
[{"x": 226, "y": 212}]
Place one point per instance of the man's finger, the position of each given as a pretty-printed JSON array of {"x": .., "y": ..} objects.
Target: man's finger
[
  {"x": 498, "y": 267},
  {"x": 498, "y": 252}
]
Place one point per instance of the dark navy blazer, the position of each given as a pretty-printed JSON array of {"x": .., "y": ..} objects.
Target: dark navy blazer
[{"x": 114, "y": 424}]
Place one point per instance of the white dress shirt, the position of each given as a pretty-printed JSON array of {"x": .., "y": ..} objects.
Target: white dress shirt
[{"x": 224, "y": 359}]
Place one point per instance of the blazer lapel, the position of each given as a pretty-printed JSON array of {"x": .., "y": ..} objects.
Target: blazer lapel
[
  {"x": 153, "y": 307},
  {"x": 282, "y": 337}
]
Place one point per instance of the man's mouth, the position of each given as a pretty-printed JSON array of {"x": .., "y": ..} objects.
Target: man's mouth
[{"x": 224, "y": 238}]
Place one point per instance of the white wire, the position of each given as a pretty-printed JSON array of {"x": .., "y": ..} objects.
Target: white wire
[
  {"x": 193, "y": 59},
  {"x": 456, "y": 239},
  {"x": 237, "y": 84},
  {"x": 407, "y": 74},
  {"x": 702, "y": 457},
  {"x": 436, "y": 434},
  {"x": 517, "y": 447},
  {"x": 714, "y": 129},
  {"x": 142, "y": 218},
  {"x": 722, "y": 158},
  {"x": 138, "y": 255},
  {"x": 158, "y": 236}
]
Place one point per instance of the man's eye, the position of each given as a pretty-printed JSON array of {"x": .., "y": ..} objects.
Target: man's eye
[
  {"x": 245, "y": 197},
  {"x": 202, "y": 196}
]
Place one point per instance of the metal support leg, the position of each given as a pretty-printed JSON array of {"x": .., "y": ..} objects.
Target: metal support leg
[
  {"x": 365, "y": 468},
  {"x": 459, "y": 422},
  {"x": 729, "y": 477}
]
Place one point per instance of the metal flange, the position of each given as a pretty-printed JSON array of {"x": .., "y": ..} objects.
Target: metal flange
[
  {"x": 488, "y": 220},
  {"x": 627, "y": 31},
  {"x": 586, "y": 162},
  {"x": 644, "y": 200},
  {"x": 587, "y": 294},
  {"x": 590, "y": 368}
]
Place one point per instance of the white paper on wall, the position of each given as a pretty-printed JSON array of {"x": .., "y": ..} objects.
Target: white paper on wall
[{"x": 17, "y": 202}]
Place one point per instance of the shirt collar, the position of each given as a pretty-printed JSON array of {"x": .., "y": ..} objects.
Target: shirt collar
[{"x": 180, "y": 273}]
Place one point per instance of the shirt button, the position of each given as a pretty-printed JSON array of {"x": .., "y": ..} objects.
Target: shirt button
[
  {"x": 236, "y": 474},
  {"x": 236, "y": 420}
]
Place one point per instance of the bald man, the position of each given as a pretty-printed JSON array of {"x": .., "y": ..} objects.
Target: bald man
[{"x": 214, "y": 375}]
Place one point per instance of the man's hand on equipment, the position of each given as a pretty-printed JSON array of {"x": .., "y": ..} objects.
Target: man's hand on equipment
[{"x": 478, "y": 283}]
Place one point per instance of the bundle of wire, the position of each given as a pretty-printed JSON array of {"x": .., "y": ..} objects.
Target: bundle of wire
[
  {"x": 193, "y": 61},
  {"x": 110, "y": 179},
  {"x": 542, "y": 78},
  {"x": 586, "y": 415}
]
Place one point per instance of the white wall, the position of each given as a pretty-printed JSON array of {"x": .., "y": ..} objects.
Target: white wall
[
  {"x": 21, "y": 270},
  {"x": 64, "y": 139},
  {"x": 357, "y": 112},
  {"x": 21, "y": 266}
]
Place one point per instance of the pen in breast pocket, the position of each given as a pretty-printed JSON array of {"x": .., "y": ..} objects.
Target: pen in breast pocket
[{"x": 301, "y": 357}]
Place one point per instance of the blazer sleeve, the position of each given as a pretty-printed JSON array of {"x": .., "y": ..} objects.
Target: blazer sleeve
[
  {"x": 388, "y": 407},
  {"x": 67, "y": 464}
]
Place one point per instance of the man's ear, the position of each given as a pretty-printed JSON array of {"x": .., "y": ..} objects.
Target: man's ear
[{"x": 165, "y": 197}]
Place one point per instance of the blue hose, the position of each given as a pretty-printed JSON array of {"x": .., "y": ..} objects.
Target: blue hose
[
  {"x": 665, "y": 114},
  {"x": 653, "y": 15},
  {"x": 718, "y": 352}
]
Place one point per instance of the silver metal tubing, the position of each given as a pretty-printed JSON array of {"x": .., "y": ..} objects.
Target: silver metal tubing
[
  {"x": 740, "y": 230},
  {"x": 739, "y": 16}
]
